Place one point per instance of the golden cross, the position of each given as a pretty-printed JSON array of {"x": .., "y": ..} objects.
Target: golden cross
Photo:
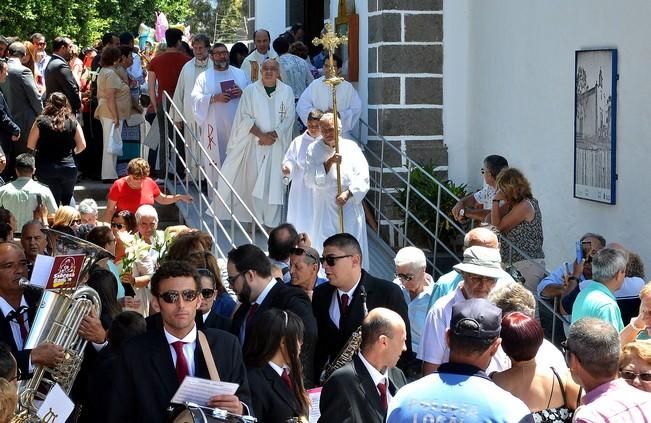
[{"x": 330, "y": 40}]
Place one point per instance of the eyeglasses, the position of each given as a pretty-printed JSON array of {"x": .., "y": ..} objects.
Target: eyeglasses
[
  {"x": 300, "y": 251},
  {"x": 404, "y": 276},
  {"x": 482, "y": 170},
  {"x": 117, "y": 225},
  {"x": 565, "y": 349},
  {"x": 207, "y": 293},
  {"x": 629, "y": 375},
  {"x": 19, "y": 375},
  {"x": 42, "y": 43},
  {"x": 332, "y": 260},
  {"x": 76, "y": 222},
  {"x": 476, "y": 279},
  {"x": 171, "y": 297},
  {"x": 231, "y": 279}
]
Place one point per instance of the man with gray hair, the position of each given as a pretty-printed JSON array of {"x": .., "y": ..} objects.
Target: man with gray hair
[
  {"x": 592, "y": 352},
  {"x": 416, "y": 286}
]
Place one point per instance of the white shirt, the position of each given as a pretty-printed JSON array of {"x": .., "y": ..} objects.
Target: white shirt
[
  {"x": 13, "y": 324},
  {"x": 188, "y": 348},
  {"x": 376, "y": 376},
  {"x": 485, "y": 196},
  {"x": 205, "y": 316},
  {"x": 335, "y": 313},
  {"x": 278, "y": 369}
]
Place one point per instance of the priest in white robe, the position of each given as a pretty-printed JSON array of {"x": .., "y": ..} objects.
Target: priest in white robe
[
  {"x": 215, "y": 98},
  {"x": 300, "y": 200},
  {"x": 252, "y": 64},
  {"x": 318, "y": 95},
  {"x": 321, "y": 175},
  {"x": 259, "y": 139},
  {"x": 183, "y": 99}
]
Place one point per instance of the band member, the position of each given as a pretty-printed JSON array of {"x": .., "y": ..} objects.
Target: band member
[
  {"x": 274, "y": 368},
  {"x": 152, "y": 366}
]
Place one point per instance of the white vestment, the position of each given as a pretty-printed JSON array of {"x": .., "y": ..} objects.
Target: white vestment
[
  {"x": 318, "y": 95},
  {"x": 258, "y": 60},
  {"x": 300, "y": 201},
  {"x": 216, "y": 119},
  {"x": 354, "y": 177},
  {"x": 183, "y": 100},
  {"x": 255, "y": 171}
]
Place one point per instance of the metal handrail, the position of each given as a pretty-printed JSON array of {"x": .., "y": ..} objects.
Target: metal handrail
[
  {"x": 195, "y": 153},
  {"x": 384, "y": 194}
]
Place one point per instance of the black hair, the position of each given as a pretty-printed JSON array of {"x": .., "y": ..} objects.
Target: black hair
[
  {"x": 315, "y": 114},
  {"x": 206, "y": 261},
  {"x": 126, "y": 38},
  {"x": 6, "y": 233},
  {"x": 107, "y": 38},
  {"x": 263, "y": 30},
  {"x": 495, "y": 164},
  {"x": 126, "y": 324},
  {"x": 173, "y": 36},
  {"x": 249, "y": 257},
  {"x": 187, "y": 49},
  {"x": 104, "y": 282},
  {"x": 273, "y": 327},
  {"x": 296, "y": 27},
  {"x": 7, "y": 362},
  {"x": 282, "y": 239},
  {"x": 99, "y": 235},
  {"x": 281, "y": 45},
  {"x": 238, "y": 48},
  {"x": 5, "y": 215},
  {"x": 173, "y": 269},
  {"x": 344, "y": 241},
  {"x": 214, "y": 46},
  {"x": 59, "y": 42},
  {"x": 125, "y": 50},
  {"x": 129, "y": 219}
]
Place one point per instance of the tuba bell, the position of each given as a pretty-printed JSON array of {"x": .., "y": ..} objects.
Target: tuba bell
[{"x": 57, "y": 321}]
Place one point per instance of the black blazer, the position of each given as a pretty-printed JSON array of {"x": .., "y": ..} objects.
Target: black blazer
[
  {"x": 350, "y": 396},
  {"x": 213, "y": 321},
  {"x": 273, "y": 402},
  {"x": 287, "y": 297},
  {"x": 145, "y": 378},
  {"x": 8, "y": 128},
  {"x": 379, "y": 293},
  {"x": 32, "y": 297},
  {"x": 58, "y": 77}
]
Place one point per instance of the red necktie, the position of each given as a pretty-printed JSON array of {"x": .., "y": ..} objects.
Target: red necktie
[
  {"x": 287, "y": 380},
  {"x": 382, "y": 387},
  {"x": 252, "y": 310},
  {"x": 181, "y": 362},
  {"x": 21, "y": 323}
]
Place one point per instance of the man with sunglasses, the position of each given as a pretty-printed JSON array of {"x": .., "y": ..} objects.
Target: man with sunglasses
[
  {"x": 481, "y": 268},
  {"x": 592, "y": 352},
  {"x": 249, "y": 274},
  {"x": 152, "y": 366},
  {"x": 339, "y": 306}
]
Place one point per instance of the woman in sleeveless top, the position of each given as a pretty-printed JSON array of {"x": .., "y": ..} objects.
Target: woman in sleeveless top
[
  {"x": 520, "y": 222},
  {"x": 551, "y": 396}
]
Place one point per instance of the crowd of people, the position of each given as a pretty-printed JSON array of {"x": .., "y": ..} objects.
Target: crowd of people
[{"x": 471, "y": 345}]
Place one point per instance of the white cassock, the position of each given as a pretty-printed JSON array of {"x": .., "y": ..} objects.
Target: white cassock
[
  {"x": 183, "y": 100},
  {"x": 318, "y": 95},
  {"x": 216, "y": 119},
  {"x": 255, "y": 171},
  {"x": 254, "y": 61},
  {"x": 300, "y": 198},
  {"x": 354, "y": 177}
]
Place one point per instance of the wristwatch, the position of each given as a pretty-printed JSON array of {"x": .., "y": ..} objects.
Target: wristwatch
[{"x": 462, "y": 212}]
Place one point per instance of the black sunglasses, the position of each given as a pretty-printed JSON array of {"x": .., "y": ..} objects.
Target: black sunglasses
[
  {"x": 629, "y": 375},
  {"x": 404, "y": 276},
  {"x": 76, "y": 222},
  {"x": 171, "y": 297},
  {"x": 207, "y": 293},
  {"x": 332, "y": 260},
  {"x": 117, "y": 225},
  {"x": 300, "y": 251},
  {"x": 231, "y": 279}
]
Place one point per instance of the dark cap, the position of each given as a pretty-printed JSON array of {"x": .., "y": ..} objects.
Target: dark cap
[{"x": 476, "y": 318}]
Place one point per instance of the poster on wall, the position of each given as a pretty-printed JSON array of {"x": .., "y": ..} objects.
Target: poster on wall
[{"x": 595, "y": 110}]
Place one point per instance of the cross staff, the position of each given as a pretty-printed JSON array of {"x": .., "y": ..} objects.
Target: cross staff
[{"x": 330, "y": 41}]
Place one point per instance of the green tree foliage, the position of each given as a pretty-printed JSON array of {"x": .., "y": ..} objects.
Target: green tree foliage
[{"x": 230, "y": 22}]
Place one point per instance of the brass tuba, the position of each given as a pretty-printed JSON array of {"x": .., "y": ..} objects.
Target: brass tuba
[{"x": 57, "y": 321}]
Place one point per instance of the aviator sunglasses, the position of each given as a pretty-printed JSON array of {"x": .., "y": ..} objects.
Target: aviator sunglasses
[{"x": 171, "y": 297}]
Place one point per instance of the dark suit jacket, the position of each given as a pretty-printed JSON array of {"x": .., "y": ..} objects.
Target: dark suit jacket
[
  {"x": 58, "y": 77},
  {"x": 287, "y": 297},
  {"x": 145, "y": 378},
  {"x": 273, "y": 402},
  {"x": 214, "y": 321},
  {"x": 32, "y": 297},
  {"x": 350, "y": 396},
  {"x": 23, "y": 99},
  {"x": 379, "y": 293},
  {"x": 8, "y": 127}
]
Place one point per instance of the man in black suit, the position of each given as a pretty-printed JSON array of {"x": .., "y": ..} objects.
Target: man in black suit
[
  {"x": 18, "y": 308},
  {"x": 360, "y": 391},
  {"x": 9, "y": 130},
  {"x": 152, "y": 366},
  {"x": 58, "y": 76},
  {"x": 249, "y": 273},
  {"x": 339, "y": 305}
]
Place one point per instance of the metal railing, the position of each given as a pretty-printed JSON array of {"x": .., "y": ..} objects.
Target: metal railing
[
  {"x": 216, "y": 214},
  {"x": 390, "y": 196}
]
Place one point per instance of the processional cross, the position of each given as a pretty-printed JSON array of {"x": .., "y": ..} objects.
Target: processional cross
[{"x": 330, "y": 41}]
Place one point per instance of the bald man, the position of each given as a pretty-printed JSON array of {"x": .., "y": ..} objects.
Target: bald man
[
  {"x": 478, "y": 237},
  {"x": 360, "y": 391}
]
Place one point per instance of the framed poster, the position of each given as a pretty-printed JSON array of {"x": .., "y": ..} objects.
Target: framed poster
[{"x": 595, "y": 112}]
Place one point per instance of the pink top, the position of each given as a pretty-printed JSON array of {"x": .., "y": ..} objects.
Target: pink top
[{"x": 614, "y": 401}]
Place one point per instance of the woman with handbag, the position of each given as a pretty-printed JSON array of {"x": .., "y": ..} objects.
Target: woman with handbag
[
  {"x": 271, "y": 355},
  {"x": 56, "y": 135},
  {"x": 113, "y": 108}
]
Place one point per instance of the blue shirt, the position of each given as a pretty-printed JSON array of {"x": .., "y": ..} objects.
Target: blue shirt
[
  {"x": 224, "y": 305},
  {"x": 446, "y": 284},
  {"x": 596, "y": 300},
  {"x": 459, "y": 393}
]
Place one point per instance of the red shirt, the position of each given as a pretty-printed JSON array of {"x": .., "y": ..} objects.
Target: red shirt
[
  {"x": 167, "y": 68},
  {"x": 127, "y": 198}
]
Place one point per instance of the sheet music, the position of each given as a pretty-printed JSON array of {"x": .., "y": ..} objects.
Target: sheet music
[
  {"x": 57, "y": 407},
  {"x": 315, "y": 398},
  {"x": 198, "y": 391}
]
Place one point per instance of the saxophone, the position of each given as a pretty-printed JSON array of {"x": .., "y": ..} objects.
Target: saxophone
[{"x": 349, "y": 349}]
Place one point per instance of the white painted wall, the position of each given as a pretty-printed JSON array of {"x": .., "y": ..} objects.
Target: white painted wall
[
  {"x": 270, "y": 15},
  {"x": 516, "y": 97}
]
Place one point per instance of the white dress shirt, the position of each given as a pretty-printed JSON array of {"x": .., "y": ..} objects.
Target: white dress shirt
[
  {"x": 335, "y": 313},
  {"x": 377, "y": 376},
  {"x": 13, "y": 324},
  {"x": 188, "y": 348}
]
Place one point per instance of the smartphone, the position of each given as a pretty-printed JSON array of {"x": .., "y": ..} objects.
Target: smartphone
[
  {"x": 579, "y": 252},
  {"x": 39, "y": 200}
]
